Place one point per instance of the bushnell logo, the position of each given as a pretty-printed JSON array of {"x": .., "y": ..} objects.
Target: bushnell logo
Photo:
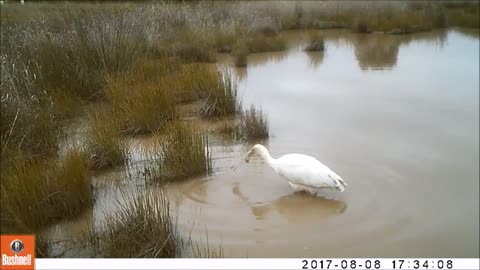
[
  {"x": 17, "y": 251},
  {"x": 16, "y": 246}
]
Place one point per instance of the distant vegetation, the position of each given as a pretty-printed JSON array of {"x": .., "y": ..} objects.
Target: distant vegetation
[{"x": 125, "y": 69}]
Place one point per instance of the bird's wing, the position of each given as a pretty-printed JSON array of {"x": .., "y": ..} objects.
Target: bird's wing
[{"x": 305, "y": 170}]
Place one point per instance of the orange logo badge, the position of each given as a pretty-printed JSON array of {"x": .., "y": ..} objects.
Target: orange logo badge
[{"x": 18, "y": 252}]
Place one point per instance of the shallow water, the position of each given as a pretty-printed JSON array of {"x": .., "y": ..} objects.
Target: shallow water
[{"x": 396, "y": 116}]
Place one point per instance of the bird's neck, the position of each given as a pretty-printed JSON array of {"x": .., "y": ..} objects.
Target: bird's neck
[{"x": 267, "y": 157}]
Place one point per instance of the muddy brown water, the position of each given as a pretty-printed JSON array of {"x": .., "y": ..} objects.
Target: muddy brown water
[{"x": 396, "y": 116}]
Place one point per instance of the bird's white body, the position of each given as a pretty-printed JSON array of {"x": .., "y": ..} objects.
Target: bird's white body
[{"x": 302, "y": 172}]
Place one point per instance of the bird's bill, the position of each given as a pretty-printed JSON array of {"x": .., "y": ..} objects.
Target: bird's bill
[{"x": 248, "y": 155}]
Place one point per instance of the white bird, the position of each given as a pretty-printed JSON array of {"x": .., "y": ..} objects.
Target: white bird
[{"x": 302, "y": 172}]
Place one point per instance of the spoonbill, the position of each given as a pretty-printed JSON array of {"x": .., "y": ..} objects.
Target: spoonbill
[{"x": 302, "y": 172}]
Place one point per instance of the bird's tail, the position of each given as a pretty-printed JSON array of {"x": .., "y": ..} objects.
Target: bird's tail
[{"x": 341, "y": 185}]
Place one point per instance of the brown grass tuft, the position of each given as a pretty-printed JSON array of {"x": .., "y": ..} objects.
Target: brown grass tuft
[
  {"x": 36, "y": 193},
  {"x": 222, "y": 99},
  {"x": 184, "y": 153},
  {"x": 143, "y": 228},
  {"x": 105, "y": 147}
]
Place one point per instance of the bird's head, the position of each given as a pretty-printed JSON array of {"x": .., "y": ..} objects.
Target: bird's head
[{"x": 257, "y": 148}]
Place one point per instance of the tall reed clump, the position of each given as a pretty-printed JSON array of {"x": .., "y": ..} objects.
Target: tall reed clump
[
  {"x": 108, "y": 42},
  {"x": 142, "y": 228},
  {"x": 250, "y": 125},
  {"x": 222, "y": 99},
  {"x": 61, "y": 70},
  {"x": 27, "y": 120},
  {"x": 38, "y": 193},
  {"x": 72, "y": 59},
  {"x": 184, "y": 153},
  {"x": 194, "y": 82},
  {"x": 104, "y": 145},
  {"x": 254, "y": 124}
]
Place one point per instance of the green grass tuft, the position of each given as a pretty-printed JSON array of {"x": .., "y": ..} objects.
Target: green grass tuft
[
  {"x": 184, "y": 153},
  {"x": 222, "y": 99}
]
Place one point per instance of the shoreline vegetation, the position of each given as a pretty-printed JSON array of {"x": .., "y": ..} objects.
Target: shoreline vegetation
[{"x": 127, "y": 69}]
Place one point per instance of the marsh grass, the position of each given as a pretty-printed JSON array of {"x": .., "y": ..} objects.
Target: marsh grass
[
  {"x": 316, "y": 43},
  {"x": 141, "y": 106},
  {"x": 38, "y": 193},
  {"x": 108, "y": 41},
  {"x": 240, "y": 54},
  {"x": 190, "y": 47},
  {"x": 59, "y": 68},
  {"x": 27, "y": 121},
  {"x": 65, "y": 105},
  {"x": 254, "y": 124},
  {"x": 143, "y": 228},
  {"x": 251, "y": 124},
  {"x": 194, "y": 82},
  {"x": 195, "y": 52},
  {"x": 259, "y": 42},
  {"x": 463, "y": 16},
  {"x": 184, "y": 153},
  {"x": 232, "y": 129},
  {"x": 390, "y": 17},
  {"x": 150, "y": 68},
  {"x": 361, "y": 25},
  {"x": 224, "y": 42},
  {"x": 144, "y": 98},
  {"x": 104, "y": 145},
  {"x": 222, "y": 99}
]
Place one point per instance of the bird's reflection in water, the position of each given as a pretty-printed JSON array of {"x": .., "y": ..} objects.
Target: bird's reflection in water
[{"x": 295, "y": 207}]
